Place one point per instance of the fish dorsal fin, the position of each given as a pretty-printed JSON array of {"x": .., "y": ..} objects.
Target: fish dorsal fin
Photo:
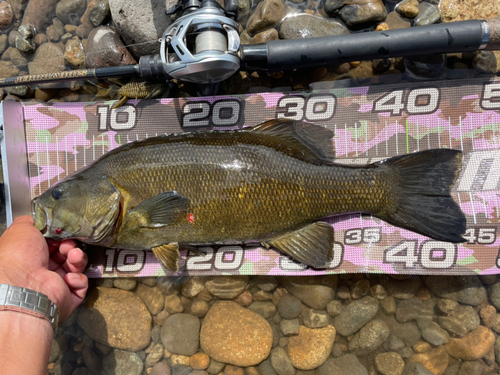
[
  {"x": 168, "y": 255},
  {"x": 311, "y": 245},
  {"x": 313, "y": 143},
  {"x": 163, "y": 209}
]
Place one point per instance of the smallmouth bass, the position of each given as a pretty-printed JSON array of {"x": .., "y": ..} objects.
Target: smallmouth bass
[{"x": 269, "y": 184}]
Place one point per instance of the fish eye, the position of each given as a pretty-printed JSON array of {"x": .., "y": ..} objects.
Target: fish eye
[{"x": 57, "y": 192}]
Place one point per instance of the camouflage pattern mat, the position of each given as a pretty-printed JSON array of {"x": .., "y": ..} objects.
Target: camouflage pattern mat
[{"x": 370, "y": 124}]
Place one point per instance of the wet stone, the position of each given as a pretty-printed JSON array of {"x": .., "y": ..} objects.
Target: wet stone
[
  {"x": 393, "y": 343},
  {"x": 192, "y": 287},
  {"x": 406, "y": 332},
  {"x": 4, "y": 41},
  {"x": 435, "y": 360},
  {"x": 39, "y": 40},
  {"x": 427, "y": 14},
  {"x": 265, "y": 36},
  {"x": 379, "y": 292},
  {"x": 260, "y": 295},
  {"x": 6, "y": 15},
  {"x": 233, "y": 370},
  {"x": 306, "y": 26},
  {"x": 125, "y": 283},
  {"x": 408, "y": 310},
  {"x": 156, "y": 334},
  {"x": 122, "y": 362},
  {"x": 289, "y": 327},
  {"x": 215, "y": 367},
  {"x": 99, "y": 12},
  {"x": 447, "y": 306},
  {"x": 177, "y": 359},
  {"x": 434, "y": 334},
  {"x": 356, "y": 315},
  {"x": 289, "y": 307},
  {"x": 58, "y": 26},
  {"x": 360, "y": 289},
  {"x": 161, "y": 368},
  {"x": 25, "y": 39},
  {"x": 235, "y": 335},
  {"x": 408, "y": 8},
  {"x": 154, "y": 355},
  {"x": 416, "y": 369},
  {"x": 314, "y": 292},
  {"x": 461, "y": 321},
  {"x": 227, "y": 287},
  {"x": 364, "y": 14},
  {"x": 343, "y": 292},
  {"x": 161, "y": 317},
  {"x": 474, "y": 345},
  {"x": 245, "y": 299},
  {"x": 116, "y": 318},
  {"x": 394, "y": 21},
  {"x": 173, "y": 304},
  {"x": 464, "y": 289},
  {"x": 421, "y": 347},
  {"x": 266, "y": 15},
  {"x": 388, "y": 305},
  {"x": 180, "y": 334},
  {"x": 105, "y": 48},
  {"x": 369, "y": 338},
  {"x": 266, "y": 283},
  {"x": 402, "y": 289},
  {"x": 181, "y": 369},
  {"x": 345, "y": 365},
  {"x": 485, "y": 62},
  {"x": 199, "y": 361},
  {"x": 337, "y": 350},
  {"x": 315, "y": 318},
  {"x": 334, "y": 308},
  {"x": 332, "y": 5},
  {"x": 152, "y": 298},
  {"x": 70, "y": 11},
  {"x": 52, "y": 34},
  {"x": 74, "y": 55},
  {"x": 471, "y": 368},
  {"x": 91, "y": 359},
  {"x": 281, "y": 362},
  {"x": 389, "y": 363},
  {"x": 199, "y": 308},
  {"x": 264, "y": 309},
  {"x": 311, "y": 347}
]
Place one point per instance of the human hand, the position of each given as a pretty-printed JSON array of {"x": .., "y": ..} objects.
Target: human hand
[{"x": 50, "y": 267}]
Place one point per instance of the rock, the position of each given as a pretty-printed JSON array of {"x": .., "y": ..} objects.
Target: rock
[
  {"x": 464, "y": 289},
  {"x": 25, "y": 39},
  {"x": 265, "y": 36},
  {"x": 6, "y": 15},
  {"x": 260, "y": 295},
  {"x": 369, "y": 338},
  {"x": 70, "y": 11},
  {"x": 199, "y": 361},
  {"x": 39, "y": 13},
  {"x": 416, "y": 369},
  {"x": 289, "y": 307},
  {"x": 233, "y": 370},
  {"x": 199, "y": 308},
  {"x": 74, "y": 55},
  {"x": 155, "y": 355},
  {"x": 266, "y": 283},
  {"x": 152, "y": 298},
  {"x": 315, "y": 318},
  {"x": 381, "y": 65},
  {"x": 104, "y": 48},
  {"x": 360, "y": 289},
  {"x": 266, "y": 15},
  {"x": 471, "y": 368},
  {"x": 39, "y": 40},
  {"x": 447, "y": 306},
  {"x": 474, "y": 345},
  {"x": 280, "y": 362},
  {"x": 192, "y": 287},
  {"x": 389, "y": 363},
  {"x": 290, "y": 327},
  {"x": 435, "y": 360},
  {"x": 122, "y": 362},
  {"x": 91, "y": 359},
  {"x": 408, "y": 8},
  {"x": 7, "y": 69},
  {"x": 161, "y": 368},
  {"x": 311, "y": 347},
  {"x": 181, "y": 369},
  {"x": 343, "y": 291},
  {"x": 409, "y": 309},
  {"x": 345, "y": 365},
  {"x": 364, "y": 14},
  {"x": 379, "y": 292},
  {"x": 388, "y": 305},
  {"x": 227, "y": 287},
  {"x": 173, "y": 304},
  {"x": 402, "y": 289},
  {"x": 99, "y": 12},
  {"x": 141, "y": 22},
  {"x": 356, "y": 315},
  {"x": 217, "y": 367},
  {"x": 161, "y": 317},
  {"x": 485, "y": 62},
  {"x": 407, "y": 332},
  {"x": 394, "y": 21},
  {"x": 421, "y": 347},
  {"x": 156, "y": 334},
  {"x": 264, "y": 309},
  {"x": 176, "y": 359},
  {"x": 18, "y": 58},
  {"x": 125, "y": 283},
  {"x": 52, "y": 34},
  {"x": 393, "y": 343},
  {"x": 315, "y": 292},
  {"x": 334, "y": 308},
  {"x": 4, "y": 42},
  {"x": 461, "y": 321},
  {"x": 305, "y": 26},
  {"x": 332, "y": 5},
  {"x": 180, "y": 334},
  {"x": 427, "y": 14},
  {"x": 235, "y": 335},
  {"x": 434, "y": 334},
  {"x": 245, "y": 299},
  {"x": 116, "y": 318}
]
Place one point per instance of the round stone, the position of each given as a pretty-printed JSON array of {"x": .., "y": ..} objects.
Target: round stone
[
  {"x": 235, "y": 335},
  {"x": 266, "y": 15},
  {"x": 6, "y": 15},
  {"x": 104, "y": 48},
  {"x": 474, "y": 345},
  {"x": 435, "y": 360},
  {"x": 25, "y": 39},
  {"x": 74, "y": 54},
  {"x": 356, "y": 315},
  {"x": 464, "y": 289},
  {"x": 152, "y": 298},
  {"x": 281, "y": 362},
  {"x": 199, "y": 361},
  {"x": 116, "y": 318},
  {"x": 70, "y": 11},
  {"x": 180, "y": 334},
  {"x": 369, "y": 338},
  {"x": 289, "y": 307},
  {"x": 155, "y": 355},
  {"x": 315, "y": 292},
  {"x": 173, "y": 304},
  {"x": 199, "y": 308},
  {"x": 346, "y": 365},
  {"x": 389, "y": 363},
  {"x": 227, "y": 287},
  {"x": 461, "y": 321},
  {"x": 125, "y": 283},
  {"x": 315, "y": 318},
  {"x": 311, "y": 347},
  {"x": 192, "y": 287},
  {"x": 304, "y": 26},
  {"x": 264, "y": 309},
  {"x": 161, "y": 368},
  {"x": 122, "y": 362}
]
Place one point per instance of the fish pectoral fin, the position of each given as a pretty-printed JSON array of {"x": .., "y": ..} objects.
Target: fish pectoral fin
[
  {"x": 314, "y": 143},
  {"x": 168, "y": 255},
  {"x": 163, "y": 209},
  {"x": 312, "y": 244}
]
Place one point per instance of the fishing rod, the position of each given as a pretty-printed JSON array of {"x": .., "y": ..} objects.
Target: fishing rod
[{"x": 203, "y": 46}]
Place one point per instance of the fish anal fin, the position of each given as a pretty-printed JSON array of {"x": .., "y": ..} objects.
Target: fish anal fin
[
  {"x": 311, "y": 245},
  {"x": 168, "y": 255},
  {"x": 163, "y": 209},
  {"x": 314, "y": 143}
]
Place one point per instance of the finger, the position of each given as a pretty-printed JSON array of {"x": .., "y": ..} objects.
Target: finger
[
  {"x": 78, "y": 284},
  {"x": 57, "y": 268},
  {"x": 53, "y": 245},
  {"x": 77, "y": 260},
  {"x": 66, "y": 246},
  {"x": 24, "y": 220}
]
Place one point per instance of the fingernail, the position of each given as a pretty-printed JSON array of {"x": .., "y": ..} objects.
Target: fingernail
[{"x": 74, "y": 276}]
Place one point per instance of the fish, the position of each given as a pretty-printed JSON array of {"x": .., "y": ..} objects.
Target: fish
[{"x": 271, "y": 184}]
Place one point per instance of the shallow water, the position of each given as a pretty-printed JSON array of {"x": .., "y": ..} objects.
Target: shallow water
[{"x": 338, "y": 324}]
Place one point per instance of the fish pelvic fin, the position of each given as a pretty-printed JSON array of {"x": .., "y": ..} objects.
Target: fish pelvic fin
[
  {"x": 311, "y": 245},
  {"x": 423, "y": 203},
  {"x": 168, "y": 255}
]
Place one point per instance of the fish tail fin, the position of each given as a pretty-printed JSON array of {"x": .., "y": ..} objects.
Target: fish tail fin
[{"x": 424, "y": 204}]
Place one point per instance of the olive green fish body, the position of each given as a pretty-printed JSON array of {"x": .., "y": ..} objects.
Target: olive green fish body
[{"x": 269, "y": 184}]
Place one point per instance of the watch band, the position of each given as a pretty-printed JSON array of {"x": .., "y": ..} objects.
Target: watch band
[{"x": 14, "y": 298}]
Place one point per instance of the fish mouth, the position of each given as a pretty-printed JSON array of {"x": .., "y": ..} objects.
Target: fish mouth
[{"x": 40, "y": 215}]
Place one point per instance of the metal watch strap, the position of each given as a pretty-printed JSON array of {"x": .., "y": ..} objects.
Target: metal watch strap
[{"x": 14, "y": 298}]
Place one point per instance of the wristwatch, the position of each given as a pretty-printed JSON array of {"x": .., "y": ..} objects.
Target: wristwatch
[{"x": 14, "y": 298}]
